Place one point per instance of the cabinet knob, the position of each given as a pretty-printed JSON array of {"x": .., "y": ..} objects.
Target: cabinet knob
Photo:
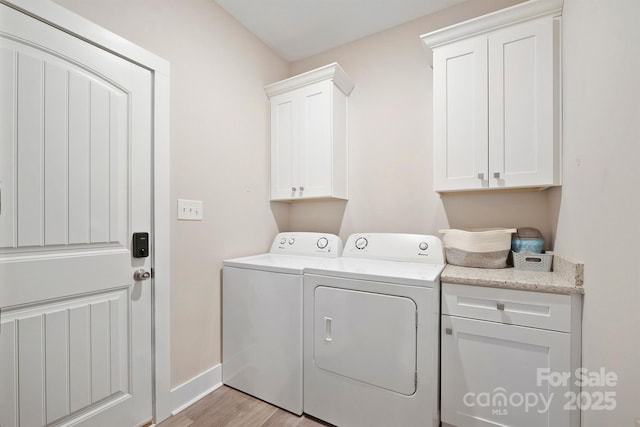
[
  {"x": 293, "y": 189},
  {"x": 448, "y": 331},
  {"x": 496, "y": 175},
  {"x": 500, "y": 306},
  {"x": 301, "y": 189},
  {"x": 481, "y": 175}
]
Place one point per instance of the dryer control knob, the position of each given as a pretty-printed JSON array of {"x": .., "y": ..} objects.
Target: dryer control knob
[
  {"x": 283, "y": 240},
  {"x": 423, "y": 246},
  {"x": 361, "y": 243},
  {"x": 292, "y": 241},
  {"x": 322, "y": 242}
]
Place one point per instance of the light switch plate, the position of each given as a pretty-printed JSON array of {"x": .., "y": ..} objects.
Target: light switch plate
[{"x": 190, "y": 210}]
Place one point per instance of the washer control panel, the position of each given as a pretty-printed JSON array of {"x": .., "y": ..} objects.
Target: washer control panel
[
  {"x": 395, "y": 247},
  {"x": 307, "y": 243}
]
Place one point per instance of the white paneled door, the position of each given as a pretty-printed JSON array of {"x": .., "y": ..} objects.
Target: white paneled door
[{"x": 75, "y": 182}]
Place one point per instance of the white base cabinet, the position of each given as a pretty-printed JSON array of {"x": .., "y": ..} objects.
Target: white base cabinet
[
  {"x": 309, "y": 135},
  {"x": 497, "y": 100},
  {"x": 498, "y": 348}
]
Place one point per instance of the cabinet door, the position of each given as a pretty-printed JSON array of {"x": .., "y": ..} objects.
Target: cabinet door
[
  {"x": 314, "y": 142},
  {"x": 523, "y": 106},
  {"x": 489, "y": 374},
  {"x": 460, "y": 115},
  {"x": 284, "y": 150}
]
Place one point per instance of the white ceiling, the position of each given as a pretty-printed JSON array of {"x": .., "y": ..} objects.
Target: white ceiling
[{"x": 297, "y": 29}]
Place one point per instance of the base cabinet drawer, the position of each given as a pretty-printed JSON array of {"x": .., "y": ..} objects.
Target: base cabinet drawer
[{"x": 514, "y": 307}]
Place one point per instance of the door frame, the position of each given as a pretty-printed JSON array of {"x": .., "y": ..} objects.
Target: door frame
[{"x": 55, "y": 15}]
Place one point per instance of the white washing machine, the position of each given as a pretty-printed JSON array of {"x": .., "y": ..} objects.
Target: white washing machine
[
  {"x": 262, "y": 317},
  {"x": 371, "y": 322}
]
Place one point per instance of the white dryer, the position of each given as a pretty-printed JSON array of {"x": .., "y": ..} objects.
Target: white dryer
[
  {"x": 371, "y": 322},
  {"x": 262, "y": 317}
]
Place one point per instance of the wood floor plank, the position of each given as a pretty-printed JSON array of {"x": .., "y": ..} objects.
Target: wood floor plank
[
  {"x": 177, "y": 421},
  {"x": 282, "y": 418},
  {"x": 243, "y": 411},
  {"x": 227, "y": 407},
  {"x": 311, "y": 422},
  {"x": 207, "y": 403}
]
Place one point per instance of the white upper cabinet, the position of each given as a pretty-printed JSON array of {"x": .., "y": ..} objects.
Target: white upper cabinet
[
  {"x": 309, "y": 135},
  {"x": 460, "y": 116},
  {"x": 497, "y": 100}
]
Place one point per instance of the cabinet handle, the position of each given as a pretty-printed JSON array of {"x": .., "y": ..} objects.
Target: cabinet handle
[
  {"x": 448, "y": 331},
  {"x": 293, "y": 189},
  {"x": 301, "y": 189},
  {"x": 496, "y": 175},
  {"x": 481, "y": 175},
  {"x": 500, "y": 306}
]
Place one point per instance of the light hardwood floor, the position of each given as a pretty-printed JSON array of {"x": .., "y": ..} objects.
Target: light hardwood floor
[{"x": 227, "y": 407}]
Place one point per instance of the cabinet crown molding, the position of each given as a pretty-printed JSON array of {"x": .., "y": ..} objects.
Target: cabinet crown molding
[
  {"x": 332, "y": 71},
  {"x": 520, "y": 12}
]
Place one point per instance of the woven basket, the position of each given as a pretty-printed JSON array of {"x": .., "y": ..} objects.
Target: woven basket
[
  {"x": 481, "y": 248},
  {"x": 532, "y": 262}
]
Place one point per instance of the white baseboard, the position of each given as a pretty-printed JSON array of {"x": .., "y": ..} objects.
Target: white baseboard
[{"x": 196, "y": 388}]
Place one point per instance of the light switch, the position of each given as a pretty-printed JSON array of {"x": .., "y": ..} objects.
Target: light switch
[{"x": 190, "y": 210}]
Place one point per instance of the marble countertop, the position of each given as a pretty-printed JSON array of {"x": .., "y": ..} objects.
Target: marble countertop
[{"x": 566, "y": 278}]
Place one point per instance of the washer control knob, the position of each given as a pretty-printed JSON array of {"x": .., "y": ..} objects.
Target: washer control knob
[
  {"x": 361, "y": 243},
  {"x": 283, "y": 240},
  {"x": 423, "y": 246},
  {"x": 292, "y": 241},
  {"x": 322, "y": 242}
]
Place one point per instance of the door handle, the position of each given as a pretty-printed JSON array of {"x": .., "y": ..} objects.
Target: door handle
[
  {"x": 141, "y": 274},
  {"x": 327, "y": 329}
]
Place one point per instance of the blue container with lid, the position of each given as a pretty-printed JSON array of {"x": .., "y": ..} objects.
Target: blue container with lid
[{"x": 527, "y": 239}]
